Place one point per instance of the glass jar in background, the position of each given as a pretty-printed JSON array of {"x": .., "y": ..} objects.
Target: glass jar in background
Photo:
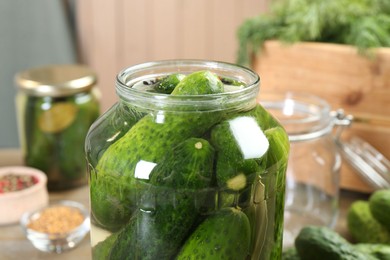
[
  {"x": 312, "y": 182},
  {"x": 187, "y": 172},
  {"x": 56, "y": 105}
]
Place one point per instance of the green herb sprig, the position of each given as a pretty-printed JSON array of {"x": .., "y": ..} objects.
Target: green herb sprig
[{"x": 361, "y": 23}]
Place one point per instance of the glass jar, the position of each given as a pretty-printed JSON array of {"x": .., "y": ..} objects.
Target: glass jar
[
  {"x": 312, "y": 182},
  {"x": 187, "y": 173},
  {"x": 56, "y": 105}
]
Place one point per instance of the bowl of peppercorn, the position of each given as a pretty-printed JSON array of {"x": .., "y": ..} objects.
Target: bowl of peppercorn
[
  {"x": 58, "y": 227},
  {"x": 22, "y": 189}
]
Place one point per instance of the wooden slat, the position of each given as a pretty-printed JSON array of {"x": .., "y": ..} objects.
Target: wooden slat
[
  {"x": 135, "y": 35},
  {"x": 251, "y": 8},
  {"x": 85, "y": 30},
  {"x": 331, "y": 71},
  {"x": 104, "y": 48},
  {"x": 164, "y": 29},
  {"x": 222, "y": 37},
  {"x": 119, "y": 23},
  {"x": 192, "y": 24}
]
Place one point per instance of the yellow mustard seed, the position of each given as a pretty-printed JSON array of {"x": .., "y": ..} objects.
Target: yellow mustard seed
[{"x": 57, "y": 220}]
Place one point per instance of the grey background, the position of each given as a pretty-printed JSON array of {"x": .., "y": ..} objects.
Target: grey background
[{"x": 32, "y": 33}]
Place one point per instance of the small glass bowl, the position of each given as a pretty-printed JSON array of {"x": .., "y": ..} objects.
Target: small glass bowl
[{"x": 56, "y": 243}]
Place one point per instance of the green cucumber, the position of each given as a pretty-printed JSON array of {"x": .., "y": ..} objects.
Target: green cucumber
[
  {"x": 379, "y": 251},
  {"x": 113, "y": 124},
  {"x": 277, "y": 155},
  {"x": 112, "y": 188},
  {"x": 290, "y": 253},
  {"x": 362, "y": 225},
  {"x": 71, "y": 147},
  {"x": 167, "y": 84},
  {"x": 379, "y": 203},
  {"x": 274, "y": 181},
  {"x": 55, "y": 130},
  {"x": 199, "y": 83},
  {"x": 222, "y": 235},
  {"x": 256, "y": 178},
  {"x": 39, "y": 145},
  {"x": 189, "y": 166},
  {"x": 236, "y": 165},
  {"x": 169, "y": 205},
  {"x": 322, "y": 243},
  {"x": 101, "y": 251}
]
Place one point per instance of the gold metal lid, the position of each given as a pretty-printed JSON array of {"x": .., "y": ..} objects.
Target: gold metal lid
[{"x": 56, "y": 80}]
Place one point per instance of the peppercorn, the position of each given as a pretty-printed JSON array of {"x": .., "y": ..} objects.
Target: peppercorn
[
  {"x": 16, "y": 182},
  {"x": 57, "y": 220}
]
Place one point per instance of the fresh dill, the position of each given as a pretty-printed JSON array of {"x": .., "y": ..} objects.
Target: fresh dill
[{"x": 364, "y": 24}]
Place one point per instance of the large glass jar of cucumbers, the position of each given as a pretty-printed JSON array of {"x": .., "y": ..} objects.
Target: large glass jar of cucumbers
[
  {"x": 187, "y": 165},
  {"x": 56, "y": 106}
]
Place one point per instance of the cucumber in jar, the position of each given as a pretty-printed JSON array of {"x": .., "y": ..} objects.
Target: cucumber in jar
[
  {"x": 167, "y": 84},
  {"x": 241, "y": 146},
  {"x": 112, "y": 126},
  {"x": 222, "y": 235},
  {"x": 39, "y": 146},
  {"x": 45, "y": 121},
  {"x": 274, "y": 187},
  {"x": 140, "y": 183},
  {"x": 238, "y": 160},
  {"x": 71, "y": 146},
  {"x": 252, "y": 158},
  {"x": 55, "y": 130},
  {"x": 113, "y": 187},
  {"x": 169, "y": 205}
]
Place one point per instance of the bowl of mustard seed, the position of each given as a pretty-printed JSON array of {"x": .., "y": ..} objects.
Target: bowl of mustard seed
[
  {"x": 22, "y": 189},
  {"x": 59, "y": 227}
]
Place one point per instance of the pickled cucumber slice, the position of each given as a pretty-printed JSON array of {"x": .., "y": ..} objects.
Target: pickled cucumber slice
[{"x": 58, "y": 117}]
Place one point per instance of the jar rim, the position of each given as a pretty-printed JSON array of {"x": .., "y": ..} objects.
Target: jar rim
[
  {"x": 304, "y": 116},
  {"x": 130, "y": 75},
  {"x": 56, "y": 80}
]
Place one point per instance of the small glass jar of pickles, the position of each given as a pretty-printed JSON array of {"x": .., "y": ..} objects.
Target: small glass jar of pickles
[{"x": 56, "y": 105}]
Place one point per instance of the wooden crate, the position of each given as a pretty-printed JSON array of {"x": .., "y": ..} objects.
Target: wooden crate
[{"x": 357, "y": 84}]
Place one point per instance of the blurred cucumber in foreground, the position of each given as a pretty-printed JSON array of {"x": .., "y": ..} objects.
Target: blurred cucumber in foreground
[
  {"x": 316, "y": 242},
  {"x": 56, "y": 106},
  {"x": 368, "y": 221},
  {"x": 368, "y": 225}
]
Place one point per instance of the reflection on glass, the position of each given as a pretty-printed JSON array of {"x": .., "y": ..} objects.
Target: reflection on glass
[
  {"x": 249, "y": 136},
  {"x": 143, "y": 169}
]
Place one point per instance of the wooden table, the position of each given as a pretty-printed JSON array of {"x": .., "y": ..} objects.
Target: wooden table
[{"x": 15, "y": 246}]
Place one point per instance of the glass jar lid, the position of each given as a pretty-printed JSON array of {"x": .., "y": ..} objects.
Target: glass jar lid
[{"x": 56, "y": 80}]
